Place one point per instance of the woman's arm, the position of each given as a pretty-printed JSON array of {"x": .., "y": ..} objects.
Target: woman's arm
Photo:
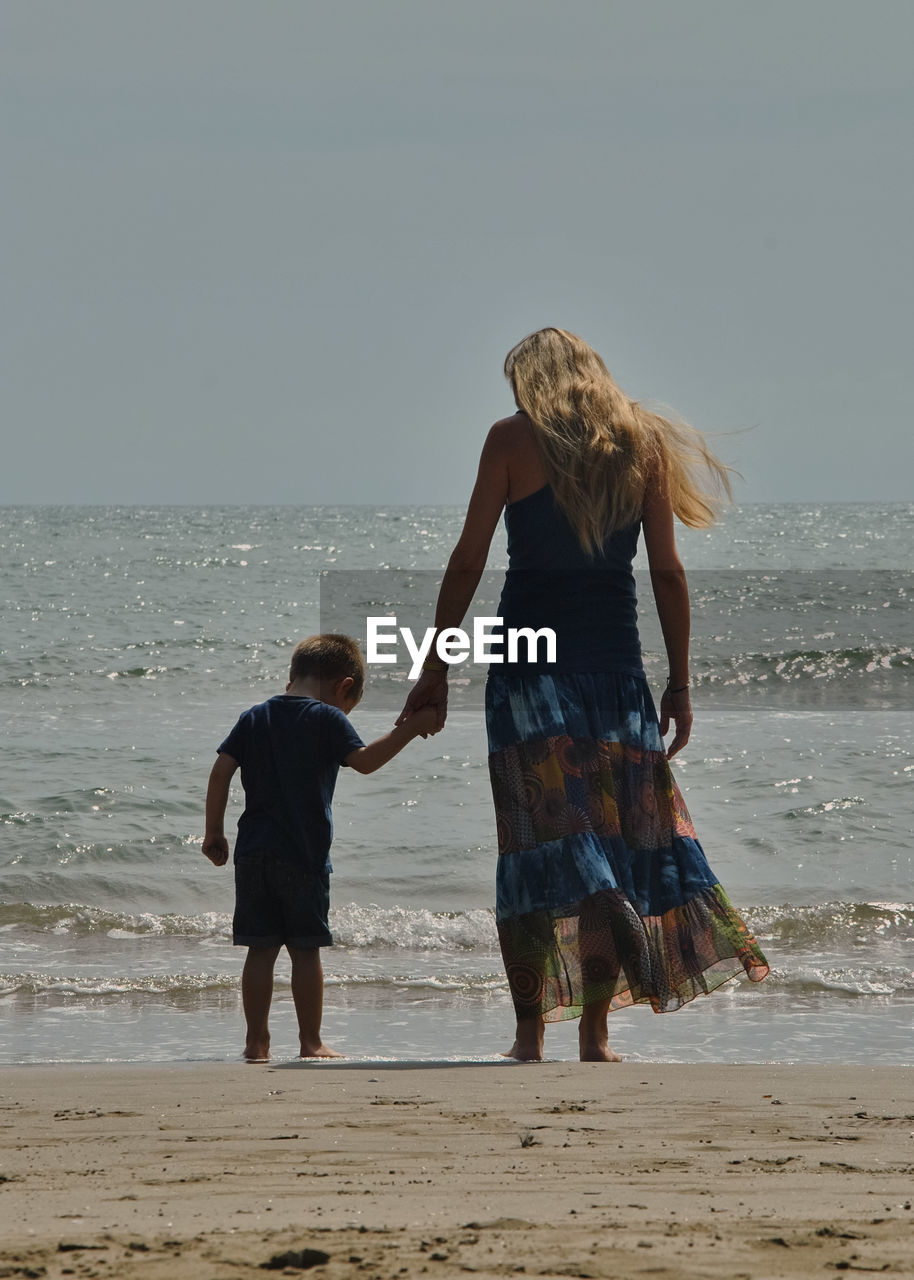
[
  {"x": 466, "y": 563},
  {"x": 671, "y": 593}
]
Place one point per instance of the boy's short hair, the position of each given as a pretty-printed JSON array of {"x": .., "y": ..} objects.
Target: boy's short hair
[{"x": 329, "y": 657}]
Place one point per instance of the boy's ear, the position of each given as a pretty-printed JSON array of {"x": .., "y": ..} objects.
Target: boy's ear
[
  {"x": 343, "y": 691},
  {"x": 288, "y": 686}
]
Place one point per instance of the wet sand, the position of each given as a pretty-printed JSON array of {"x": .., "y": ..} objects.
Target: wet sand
[{"x": 392, "y": 1170}]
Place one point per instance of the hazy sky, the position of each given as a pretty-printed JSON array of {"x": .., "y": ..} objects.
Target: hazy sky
[{"x": 275, "y": 251}]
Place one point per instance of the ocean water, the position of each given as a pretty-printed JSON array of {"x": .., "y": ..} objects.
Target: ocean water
[{"x": 132, "y": 638}]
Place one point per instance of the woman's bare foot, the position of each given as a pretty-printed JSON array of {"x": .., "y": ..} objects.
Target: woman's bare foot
[
  {"x": 320, "y": 1050},
  {"x": 257, "y": 1050},
  {"x": 593, "y": 1035},
  {"x": 597, "y": 1052},
  {"x": 528, "y": 1042},
  {"x": 522, "y": 1054}
]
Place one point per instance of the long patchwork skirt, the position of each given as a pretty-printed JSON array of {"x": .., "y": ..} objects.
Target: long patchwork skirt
[{"x": 603, "y": 891}]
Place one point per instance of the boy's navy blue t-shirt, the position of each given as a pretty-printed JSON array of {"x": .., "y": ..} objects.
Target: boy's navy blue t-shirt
[{"x": 290, "y": 750}]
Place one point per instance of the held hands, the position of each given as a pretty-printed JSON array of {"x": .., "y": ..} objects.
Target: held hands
[
  {"x": 430, "y": 690},
  {"x": 215, "y": 847},
  {"x": 425, "y": 721},
  {"x": 678, "y": 708}
]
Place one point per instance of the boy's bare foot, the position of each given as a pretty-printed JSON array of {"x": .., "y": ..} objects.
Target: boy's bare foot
[
  {"x": 257, "y": 1051},
  {"x": 319, "y": 1051}
]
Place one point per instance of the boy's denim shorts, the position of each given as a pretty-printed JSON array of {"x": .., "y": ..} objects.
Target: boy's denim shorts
[{"x": 279, "y": 903}]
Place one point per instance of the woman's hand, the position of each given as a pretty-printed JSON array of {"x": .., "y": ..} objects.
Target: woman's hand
[
  {"x": 678, "y": 708},
  {"x": 430, "y": 690}
]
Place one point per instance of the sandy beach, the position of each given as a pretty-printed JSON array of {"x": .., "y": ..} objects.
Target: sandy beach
[{"x": 387, "y": 1169}]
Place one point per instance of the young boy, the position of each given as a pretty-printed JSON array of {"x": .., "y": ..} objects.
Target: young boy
[{"x": 290, "y": 750}]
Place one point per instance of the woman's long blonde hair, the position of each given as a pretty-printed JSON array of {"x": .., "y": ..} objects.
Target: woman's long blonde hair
[{"x": 599, "y": 448}]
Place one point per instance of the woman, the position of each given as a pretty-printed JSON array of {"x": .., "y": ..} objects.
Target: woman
[{"x": 604, "y": 896}]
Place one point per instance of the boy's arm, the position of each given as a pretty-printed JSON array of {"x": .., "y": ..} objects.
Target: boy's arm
[
  {"x": 377, "y": 753},
  {"x": 215, "y": 845}
]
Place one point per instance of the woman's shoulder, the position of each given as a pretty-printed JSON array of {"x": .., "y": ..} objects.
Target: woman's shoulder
[
  {"x": 514, "y": 440},
  {"x": 514, "y": 430}
]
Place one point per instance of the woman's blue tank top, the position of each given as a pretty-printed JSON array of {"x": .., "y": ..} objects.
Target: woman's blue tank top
[{"x": 589, "y": 602}]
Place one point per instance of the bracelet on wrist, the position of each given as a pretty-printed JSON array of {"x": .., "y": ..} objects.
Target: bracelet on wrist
[{"x": 682, "y": 688}]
